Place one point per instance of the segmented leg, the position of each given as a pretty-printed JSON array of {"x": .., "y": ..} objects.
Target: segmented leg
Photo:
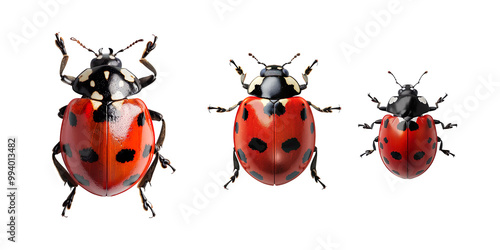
[
  {"x": 367, "y": 152},
  {"x": 236, "y": 169},
  {"x": 63, "y": 173},
  {"x": 222, "y": 110},
  {"x": 366, "y": 126},
  {"x": 446, "y": 152},
  {"x": 314, "y": 173}
]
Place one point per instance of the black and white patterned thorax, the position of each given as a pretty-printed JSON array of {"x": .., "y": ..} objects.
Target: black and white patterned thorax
[
  {"x": 274, "y": 83},
  {"x": 407, "y": 104},
  {"x": 106, "y": 80}
]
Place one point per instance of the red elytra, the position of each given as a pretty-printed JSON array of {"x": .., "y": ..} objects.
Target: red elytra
[
  {"x": 107, "y": 149},
  {"x": 274, "y": 142},
  {"x": 407, "y": 151}
]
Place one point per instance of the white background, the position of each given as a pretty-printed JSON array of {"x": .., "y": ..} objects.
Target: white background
[{"x": 454, "y": 205}]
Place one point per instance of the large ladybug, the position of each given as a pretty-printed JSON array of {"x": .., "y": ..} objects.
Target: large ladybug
[
  {"x": 407, "y": 138},
  {"x": 274, "y": 134},
  {"x": 107, "y": 141}
]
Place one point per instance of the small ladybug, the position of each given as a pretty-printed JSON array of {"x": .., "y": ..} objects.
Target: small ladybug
[
  {"x": 107, "y": 141},
  {"x": 274, "y": 134},
  {"x": 407, "y": 139}
]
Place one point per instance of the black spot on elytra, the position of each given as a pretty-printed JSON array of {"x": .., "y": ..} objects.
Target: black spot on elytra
[
  {"x": 303, "y": 114},
  {"x": 245, "y": 114},
  {"x": 141, "y": 119},
  {"x": 429, "y": 160},
  {"x": 306, "y": 156},
  {"x": 106, "y": 113},
  {"x": 279, "y": 109},
  {"x": 429, "y": 140},
  {"x": 256, "y": 175},
  {"x": 386, "y": 160},
  {"x": 67, "y": 150},
  {"x": 429, "y": 123},
  {"x": 72, "y": 119},
  {"x": 312, "y": 127},
  {"x": 147, "y": 150},
  {"x": 125, "y": 155},
  {"x": 381, "y": 145},
  {"x": 242, "y": 155},
  {"x": 257, "y": 144},
  {"x": 131, "y": 180},
  {"x": 434, "y": 145},
  {"x": 396, "y": 155},
  {"x": 236, "y": 127},
  {"x": 386, "y": 140},
  {"x": 413, "y": 126},
  {"x": 386, "y": 122},
  {"x": 88, "y": 155},
  {"x": 419, "y": 155},
  {"x": 269, "y": 109},
  {"x": 396, "y": 172},
  {"x": 81, "y": 179},
  {"x": 292, "y": 175},
  {"x": 274, "y": 108},
  {"x": 402, "y": 126},
  {"x": 420, "y": 172},
  {"x": 290, "y": 144}
]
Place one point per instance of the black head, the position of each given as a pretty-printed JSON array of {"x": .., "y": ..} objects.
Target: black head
[
  {"x": 106, "y": 80},
  {"x": 274, "y": 82},
  {"x": 407, "y": 104}
]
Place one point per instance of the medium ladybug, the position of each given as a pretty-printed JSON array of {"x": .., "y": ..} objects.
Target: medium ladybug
[
  {"x": 107, "y": 141},
  {"x": 407, "y": 139},
  {"x": 274, "y": 134}
]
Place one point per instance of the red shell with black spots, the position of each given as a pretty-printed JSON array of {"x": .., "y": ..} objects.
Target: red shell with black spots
[
  {"x": 274, "y": 142},
  {"x": 407, "y": 148},
  {"x": 107, "y": 148}
]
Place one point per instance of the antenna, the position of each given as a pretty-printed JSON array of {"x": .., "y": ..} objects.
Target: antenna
[
  {"x": 250, "y": 54},
  {"x": 78, "y": 41},
  {"x": 132, "y": 44},
  {"x": 419, "y": 79},
  {"x": 298, "y": 54},
  {"x": 395, "y": 79}
]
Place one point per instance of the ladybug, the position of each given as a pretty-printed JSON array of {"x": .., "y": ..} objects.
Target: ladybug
[
  {"x": 274, "y": 132},
  {"x": 407, "y": 138},
  {"x": 107, "y": 141}
]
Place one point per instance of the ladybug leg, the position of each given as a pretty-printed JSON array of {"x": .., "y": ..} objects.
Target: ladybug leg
[
  {"x": 236, "y": 169},
  {"x": 366, "y": 126},
  {"x": 367, "y": 152},
  {"x": 145, "y": 180},
  {"x": 61, "y": 112},
  {"x": 65, "y": 177},
  {"x": 374, "y": 99},
  {"x": 222, "y": 110},
  {"x": 150, "y": 46},
  {"x": 306, "y": 73},
  {"x": 240, "y": 72},
  {"x": 440, "y": 100},
  {"x": 324, "y": 110},
  {"x": 448, "y": 126},
  {"x": 155, "y": 116},
  {"x": 60, "y": 44},
  {"x": 314, "y": 173},
  {"x": 446, "y": 152},
  {"x": 146, "y": 204}
]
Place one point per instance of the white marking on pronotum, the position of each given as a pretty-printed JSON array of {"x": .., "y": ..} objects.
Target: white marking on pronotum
[
  {"x": 92, "y": 83},
  {"x": 290, "y": 81},
  {"x": 84, "y": 76},
  {"x": 117, "y": 95},
  {"x": 106, "y": 74},
  {"x": 257, "y": 81},
  {"x": 393, "y": 100},
  {"x": 95, "y": 104},
  {"x": 96, "y": 96},
  {"x": 422, "y": 100},
  {"x": 127, "y": 75}
]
